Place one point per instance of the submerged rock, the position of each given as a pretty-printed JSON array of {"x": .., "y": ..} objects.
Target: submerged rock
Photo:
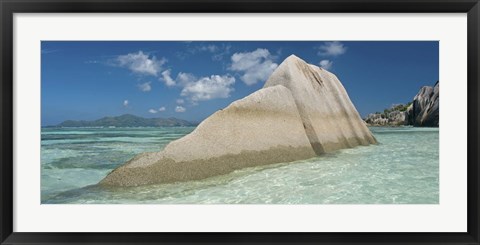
[{"x": 301, "y": 112}]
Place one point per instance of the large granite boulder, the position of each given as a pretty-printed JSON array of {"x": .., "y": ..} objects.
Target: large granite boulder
[
  {"x": 330, "y": 119},
  {"x": 262, "y": 128},
  {"x": 302, "y": 111},
  {"x": 424, "y": 111}
]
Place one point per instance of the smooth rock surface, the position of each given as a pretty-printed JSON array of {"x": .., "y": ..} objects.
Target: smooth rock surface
[
  {"x": 330, "y": 118},
  {"x": 262, "y": 128},
  {"x": 424, "y": 111},
  {"x": 302, "y": 111}
]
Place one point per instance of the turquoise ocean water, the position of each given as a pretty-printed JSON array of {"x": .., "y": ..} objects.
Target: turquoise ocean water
[{"x": 402, "y": 169}]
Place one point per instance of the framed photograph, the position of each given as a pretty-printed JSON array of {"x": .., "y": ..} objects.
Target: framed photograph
[{"x": 178, "y": 122}]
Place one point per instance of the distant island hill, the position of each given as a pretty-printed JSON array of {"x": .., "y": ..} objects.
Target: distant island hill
[
  {"x": 126, "y": 120},
  {"x": 422, "y": 111},
  {"x": 301, "y": 112}
]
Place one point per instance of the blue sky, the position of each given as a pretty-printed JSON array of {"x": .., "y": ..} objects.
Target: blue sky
[{"x": 87, "y": 80}]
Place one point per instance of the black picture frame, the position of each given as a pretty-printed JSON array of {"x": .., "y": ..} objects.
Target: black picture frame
[{"x": 9, "y": 7}]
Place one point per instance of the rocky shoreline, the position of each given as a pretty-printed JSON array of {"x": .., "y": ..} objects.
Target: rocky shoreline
[{"x": 423, "y": 111}]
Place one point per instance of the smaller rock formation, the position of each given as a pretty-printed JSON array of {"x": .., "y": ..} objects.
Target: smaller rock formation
[
  {"x": 424, "y": 111},
  {"x": 394, "y": 116}
]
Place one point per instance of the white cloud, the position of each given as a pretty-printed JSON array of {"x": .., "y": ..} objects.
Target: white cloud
[
  {"x": 153, "y": 111},
  {"x": 167, "y": 78},
  {"x": 256, "y": 66},
  {"x": 180, "y": 109},
  {"x": 200, "y": 89},
  {"x": 331, "y": 49},
  {"x": 208, "y": 88},
  {"x": 140, "y": 63},
  {"x": 185, "y": 78},
  {"x": 145, "y": 87},
  {"x": 125, "y": 103},
  {"x": 326, "y": 64}
]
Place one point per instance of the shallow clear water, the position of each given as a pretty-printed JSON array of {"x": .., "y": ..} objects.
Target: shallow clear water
[{"x": 402, "y": 168}]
